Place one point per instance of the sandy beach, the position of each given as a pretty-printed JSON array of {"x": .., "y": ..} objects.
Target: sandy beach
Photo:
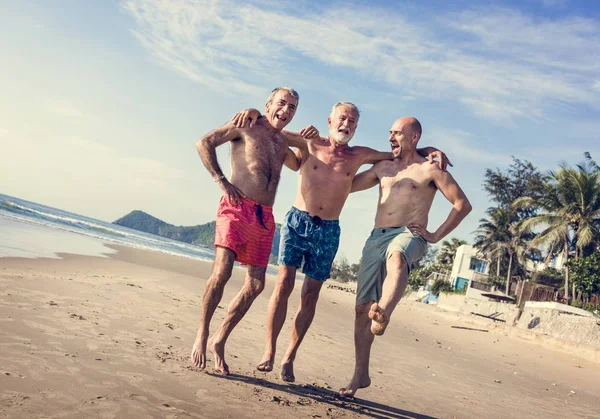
[{"x": 110, "y": 337}]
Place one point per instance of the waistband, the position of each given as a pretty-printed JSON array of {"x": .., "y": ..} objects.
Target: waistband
[
  {"x": 383, "y": 230},
  {"x": 251, "y": 202},
  {"x": 313, "y": 218}
]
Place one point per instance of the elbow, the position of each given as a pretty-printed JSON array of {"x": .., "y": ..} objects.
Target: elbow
[
  {"x": 199, "y": 144},
  {"x": 202, "y": 144},
  {"x": 464, "y": 207}
]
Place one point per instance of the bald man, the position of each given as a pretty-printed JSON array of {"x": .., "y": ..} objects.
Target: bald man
[{"x": 407, "y": 186}]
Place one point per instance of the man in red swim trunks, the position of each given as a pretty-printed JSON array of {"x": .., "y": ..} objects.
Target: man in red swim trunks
[{"x": 245, "y": 224}]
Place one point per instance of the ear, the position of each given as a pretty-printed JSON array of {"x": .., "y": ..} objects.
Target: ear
[
  {"x": 416, "y": 137},
  {"x": 329, "y": 121}
]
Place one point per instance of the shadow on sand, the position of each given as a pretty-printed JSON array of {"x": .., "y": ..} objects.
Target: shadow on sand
[{"x": 310, "y": 394}]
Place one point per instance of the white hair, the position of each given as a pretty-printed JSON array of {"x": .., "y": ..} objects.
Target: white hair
[{"x": 346, "y": 105}]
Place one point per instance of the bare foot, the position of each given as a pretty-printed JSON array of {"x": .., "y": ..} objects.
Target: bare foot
[
  {"x": 266, "y": 364},
  {"x": 287, "y": 372},
  {"x": 198, "y": 355},
  {"x": 379, "y": 319},
  {"x": 218, "y": 350},
  {"x": 355, "y": 384}
]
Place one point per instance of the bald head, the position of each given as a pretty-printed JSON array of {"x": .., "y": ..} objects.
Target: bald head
[
  {"x": 404, "y": 135},
  {"x": 408, "y": 125}
]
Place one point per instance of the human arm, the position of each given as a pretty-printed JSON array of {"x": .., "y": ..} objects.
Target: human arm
[
  {"x": 373, "y": 156},
  {"x": 460, "y": 207},
  {"x": 293, "y": 159},
  {"x": 365, "y": 180},
  {"x": 432, "y": 153},
  {"x": 207, "y": 146},
  {"x": 299, "y": 139},
  {"x": 246, "y": 117}
]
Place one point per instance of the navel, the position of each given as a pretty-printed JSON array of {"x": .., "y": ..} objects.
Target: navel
[
  {"x": 321, "y": 208},
  {"x": 256, "y": 147},
  {"x": 315, "y": 167},
  {"x": 348, "y": 174}
]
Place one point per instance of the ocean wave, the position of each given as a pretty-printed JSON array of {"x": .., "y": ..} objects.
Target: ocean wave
[{"x": 48, "y": 217}]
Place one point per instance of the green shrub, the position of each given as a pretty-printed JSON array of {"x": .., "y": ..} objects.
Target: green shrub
[{"x": 440, "y": 285}]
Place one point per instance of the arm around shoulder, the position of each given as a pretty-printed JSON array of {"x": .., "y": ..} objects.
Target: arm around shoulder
[
  {"x": 373, "y": 156},
  {"x": 295, "y": 139}
]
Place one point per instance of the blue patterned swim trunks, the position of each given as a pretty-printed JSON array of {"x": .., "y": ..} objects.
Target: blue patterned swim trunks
[{"x": 308, "y": 238}]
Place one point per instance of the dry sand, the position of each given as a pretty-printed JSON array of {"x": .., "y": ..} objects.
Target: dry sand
[{"x": 87, "y": 337}]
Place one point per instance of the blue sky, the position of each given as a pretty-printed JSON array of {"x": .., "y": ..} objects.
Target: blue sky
[{"x": 102, "y": 102}]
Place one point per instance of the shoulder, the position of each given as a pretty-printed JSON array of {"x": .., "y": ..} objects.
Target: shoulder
[
  {"x": 382, "y": 166},
  {"x": 433, "y": 172},
  {"x": 316, "y": 144}
]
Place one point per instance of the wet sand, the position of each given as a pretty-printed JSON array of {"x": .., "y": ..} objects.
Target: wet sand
[{"x": 111, "y": 337}]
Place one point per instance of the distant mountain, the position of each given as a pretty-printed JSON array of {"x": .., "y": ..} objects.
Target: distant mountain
[{"x": 199, "y": 235}]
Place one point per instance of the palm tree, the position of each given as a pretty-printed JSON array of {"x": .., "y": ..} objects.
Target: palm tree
[
  {"x": 570, "y": 212},
  {"x": 448, "y": 250},
  {"x": 492, "y": 235},
  {"x": 501, "y": 235}
]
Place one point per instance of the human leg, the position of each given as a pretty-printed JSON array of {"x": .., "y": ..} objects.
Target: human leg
[
  {"x": 213, "y": 292},
  {"x": 276, "y": 314},
  {"x": 363, "y": 340},
  {"x": 253, "y": 285},
  {"x": 304, "y": 317}
]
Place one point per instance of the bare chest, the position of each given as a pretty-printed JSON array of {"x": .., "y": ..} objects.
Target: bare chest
[
  {"x": 265, "y": 152},
  {"x": 324, "y": 164},
  {"x": 407, "y": 181}
]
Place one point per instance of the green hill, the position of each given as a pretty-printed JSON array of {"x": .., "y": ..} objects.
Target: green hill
[{"x": 203, "y": 234}]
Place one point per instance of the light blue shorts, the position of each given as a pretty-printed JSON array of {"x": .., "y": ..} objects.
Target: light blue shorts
[{"x": 378, "y": 249}]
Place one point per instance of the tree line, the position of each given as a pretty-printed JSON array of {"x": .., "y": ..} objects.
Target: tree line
[{"x": 538, "y": 218}]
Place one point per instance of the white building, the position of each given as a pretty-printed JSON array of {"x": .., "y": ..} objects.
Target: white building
[{"x": 468, "y": 265}]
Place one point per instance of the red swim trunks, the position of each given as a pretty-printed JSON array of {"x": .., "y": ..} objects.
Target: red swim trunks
[{"x": 246, "y": 229}]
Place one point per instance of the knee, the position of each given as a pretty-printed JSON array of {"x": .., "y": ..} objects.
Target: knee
[
  {"x": 363, "y": 309},
  {"x": 218, "y": 279},
  {"x": 285, "y": 285},
  {"x": 255, "y": 286},
  {"x": 309, "y": 297}
]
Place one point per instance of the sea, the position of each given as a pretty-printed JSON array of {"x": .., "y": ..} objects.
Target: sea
[{"x": 32, "y": 230}]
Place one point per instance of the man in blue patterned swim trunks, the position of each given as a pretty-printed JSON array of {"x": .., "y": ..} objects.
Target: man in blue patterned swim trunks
[{"x": 310, "y": 233}]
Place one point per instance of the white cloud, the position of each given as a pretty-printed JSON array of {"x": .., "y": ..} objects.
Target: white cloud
[{"x": 511, "y": 66}]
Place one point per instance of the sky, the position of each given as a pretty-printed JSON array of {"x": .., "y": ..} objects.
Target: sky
[{"x": 102, "y": 101}]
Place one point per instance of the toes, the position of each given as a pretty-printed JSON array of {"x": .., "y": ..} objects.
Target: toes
[
  {"x": 265, "y": 367},
  {"x": 346, "y": 392}
]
